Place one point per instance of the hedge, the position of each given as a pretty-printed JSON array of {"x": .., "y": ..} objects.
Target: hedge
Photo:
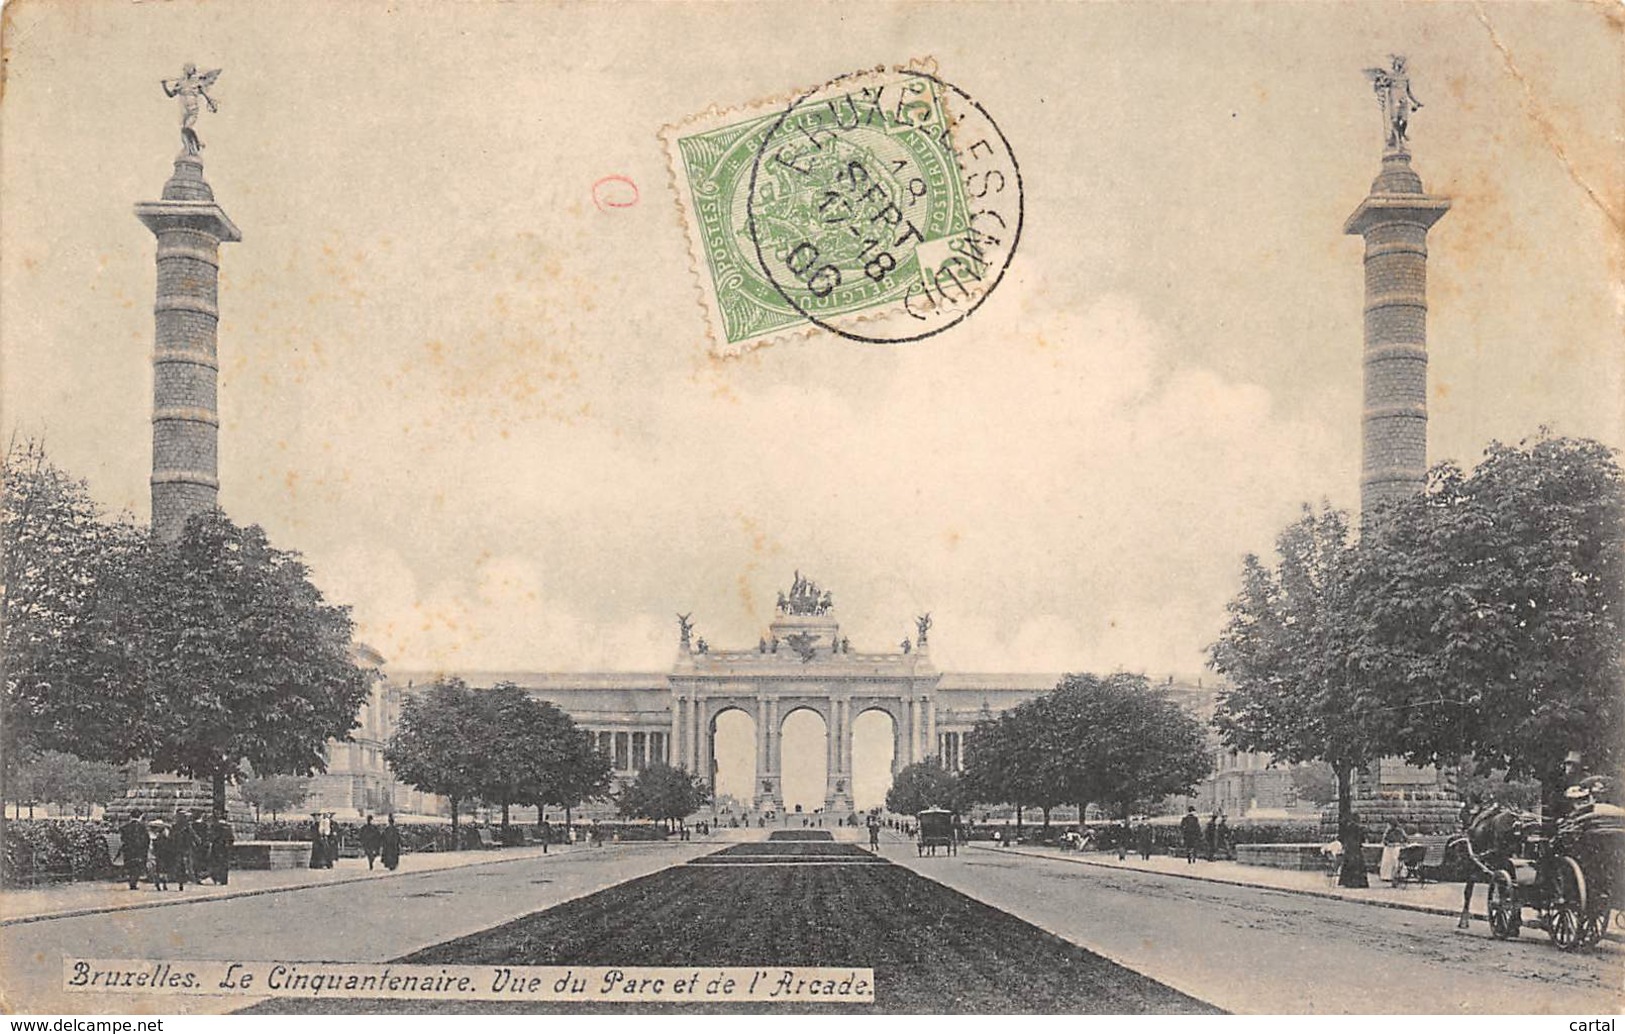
[{"x": 44, "y": 849}]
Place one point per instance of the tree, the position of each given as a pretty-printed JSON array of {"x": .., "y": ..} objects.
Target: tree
[
  {"x": 1314, "y": 782},
  {"x": 537, "y": 756},
  {"x": 1477, "y": 783},
  {"x": 1287, "y": 652},
  {"x": 664, "y": 794},
  {"x": 1493, "y": 609},
  {"x": 69, "y": 612},
  {"x": 275, "y": 793},
  {"x": 585, "y": 773},
  {"x": 925, "y": 784},
  {"x": 1118, "y": 742},
  {"x": 248, "y": 663},
  {"x": 1010, "y": 759},
  {"x": 53, "y": 777},
  {"x": 438, "y": 745}
]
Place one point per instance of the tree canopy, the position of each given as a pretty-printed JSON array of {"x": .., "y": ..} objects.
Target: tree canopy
[
  {"x": 70, "y": 616},
  {"x": 200, "y": 654},
  {"x": 498, "y": 745},
  {"x": 664, "y": 794},
  {"x": 536, "y": 755},
  {"x": 1115, "y": 741},
  {"x": 1009, "y": 758},
  {"x": 438, "y": 745},
  {"x": 275, "y": 793},
  {"x": 925, "y": 784},
  {"x": 248, "y": 662},
  {"x": 1122, "y": 743},
  {"x": 1491, "y": 610}
]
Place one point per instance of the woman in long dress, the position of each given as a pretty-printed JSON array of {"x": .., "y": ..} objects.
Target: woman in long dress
[{"x": 1393, "y": 838}]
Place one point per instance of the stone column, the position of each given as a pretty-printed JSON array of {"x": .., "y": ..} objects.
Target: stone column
[
  {"x": 838, "y": 783},
  {"x": 760, "y": 721},
  {"x": 1394, "y": 220},
  {"x": 846, "y": 738},
  {"x": 770, "y": 793},
  {"x": 930, "y": 705},
  {"x": 675, "y": 747},
  {"x": 697, "y": 746},
  {"x": 190, "y": 227},
  {"x": 913, "y": 729}
]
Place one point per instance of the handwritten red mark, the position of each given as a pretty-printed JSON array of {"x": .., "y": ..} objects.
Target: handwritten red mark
[{"x": 614, "y": 192}]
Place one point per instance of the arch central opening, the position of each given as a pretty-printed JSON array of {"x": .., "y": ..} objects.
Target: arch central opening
[
  {"x": 733, "y": 760},
  {"x": 804, "y": 740},
  {"x": 874, "y": 749}
]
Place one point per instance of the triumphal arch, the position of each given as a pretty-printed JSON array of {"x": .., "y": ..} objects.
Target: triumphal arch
[{"x": 803, "y": 662}]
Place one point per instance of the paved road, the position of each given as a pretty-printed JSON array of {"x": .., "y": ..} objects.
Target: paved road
[
  {"x": 1250, "y": 950},
  {"x": 368, "y": 921}
]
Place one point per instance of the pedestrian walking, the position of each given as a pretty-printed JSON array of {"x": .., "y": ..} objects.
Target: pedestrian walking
[
  {"x": 330, "y": 838},
  {"x": 163, "y": 855},
  {"x": 183, "y": 840},
  {"x": 389, "y": 845},
  {"x": 1190, "y": 831},
  {"x": 1144, "y": 839},
  {"x": 874, "y": 833},
  {"x": 133, "y": 845},
  {"x": 372, "y": 839},
  {"x": 1122, "y": 841},
  {"x": 200, "y": 844},
  {"x": 318, "y": 846},
  {"x": 1212, "y": 834},
  {"x": 1221, "y": 838},
  {"x": 221, "y": 840}
]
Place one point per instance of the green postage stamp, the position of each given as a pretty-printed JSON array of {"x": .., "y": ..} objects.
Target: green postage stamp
[{"x": 883, "y": 206}]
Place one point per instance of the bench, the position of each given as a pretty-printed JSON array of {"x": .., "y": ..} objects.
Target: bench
[{"x": 488, "y": 840}]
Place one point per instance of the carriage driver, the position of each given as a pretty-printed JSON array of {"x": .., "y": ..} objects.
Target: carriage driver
[{"x": 1573, "y": 778}]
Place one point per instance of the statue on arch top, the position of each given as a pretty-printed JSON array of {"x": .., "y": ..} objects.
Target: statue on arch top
[
  {"x": 685, "y": 628},
  {"x": 805, "y": 598},
  {"x": 923, "y": 623},
  {"x": 191, "y": 85},
  {"x": 1393, "y": 89}
]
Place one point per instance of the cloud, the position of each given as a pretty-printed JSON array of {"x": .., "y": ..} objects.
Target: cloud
[{"x": 1067, "y": 496}]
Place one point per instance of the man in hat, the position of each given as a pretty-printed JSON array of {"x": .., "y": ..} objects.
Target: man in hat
[
  {"x": 372, "y": 840},
  {"x": 183, "y": 849},
  {"x": 132, "y": 847},
  {"x": 390, "y": 844},
  {"x": 1560, "y": 804},
  {"x": 1190, "y": 831}
]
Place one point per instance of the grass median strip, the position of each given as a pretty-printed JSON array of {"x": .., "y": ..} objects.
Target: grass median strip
[{"x": 932, "y": 949}]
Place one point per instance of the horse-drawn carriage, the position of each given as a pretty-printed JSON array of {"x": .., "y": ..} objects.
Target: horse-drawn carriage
[
  {"x": 1568, "y": 871},
  {"x": 936, "y": 829}
]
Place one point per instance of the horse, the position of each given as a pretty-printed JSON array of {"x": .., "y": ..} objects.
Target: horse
[{"x": 1490, "y": 840}]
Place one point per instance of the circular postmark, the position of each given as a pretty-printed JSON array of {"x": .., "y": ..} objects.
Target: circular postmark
[{"x": 884, "y": 206}]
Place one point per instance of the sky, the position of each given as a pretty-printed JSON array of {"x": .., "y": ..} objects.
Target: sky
[{"x": 490, "y": 416}]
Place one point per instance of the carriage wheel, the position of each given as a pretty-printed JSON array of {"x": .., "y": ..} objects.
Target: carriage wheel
[
  {"x": 1506, "y": 915},
  {"x": 1568, "y": 905},
  {"x": 1593, "y": 926}
]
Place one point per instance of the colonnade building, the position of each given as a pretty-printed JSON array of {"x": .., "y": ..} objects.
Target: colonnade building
[{"x": 803, "y": 663}]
